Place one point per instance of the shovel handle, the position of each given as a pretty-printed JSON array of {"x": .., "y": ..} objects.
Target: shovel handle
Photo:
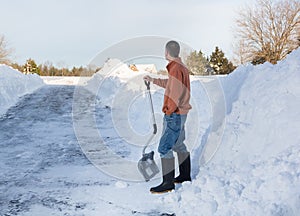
[{"x": 147, "y": 83}]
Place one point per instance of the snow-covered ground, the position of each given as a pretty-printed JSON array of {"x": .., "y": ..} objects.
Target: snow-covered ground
[
  {"x": 65, "y": 80},
  {"x": 72, "y": 150}
]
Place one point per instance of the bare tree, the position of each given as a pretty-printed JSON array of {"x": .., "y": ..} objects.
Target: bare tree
[
  {"x": 298, "y": 35},
  {"x": 241, "y": 54},
  {"x": 267, "y": 31},
  {"x": 4, "y": 51}
]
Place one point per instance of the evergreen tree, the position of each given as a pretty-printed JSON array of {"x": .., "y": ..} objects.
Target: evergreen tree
[
  {"x": 197, "y": 63},
  {"x": 31, "y": 67},
  {"x": 220, "y": 63}
]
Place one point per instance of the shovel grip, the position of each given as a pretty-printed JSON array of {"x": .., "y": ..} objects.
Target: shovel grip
[{"x": 147, "y": 83}]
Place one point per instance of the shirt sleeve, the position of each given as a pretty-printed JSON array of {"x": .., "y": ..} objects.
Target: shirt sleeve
[{"x": 160, "y": 82}]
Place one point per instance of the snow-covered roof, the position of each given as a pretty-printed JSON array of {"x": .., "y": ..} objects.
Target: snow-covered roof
[{"x": 144, "y": 67}]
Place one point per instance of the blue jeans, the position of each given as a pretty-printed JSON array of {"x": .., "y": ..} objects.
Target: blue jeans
[{"x": 173, "y": 135}]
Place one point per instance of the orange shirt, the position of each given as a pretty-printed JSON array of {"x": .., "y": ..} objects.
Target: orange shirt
[{"x": 177, "y": 93}]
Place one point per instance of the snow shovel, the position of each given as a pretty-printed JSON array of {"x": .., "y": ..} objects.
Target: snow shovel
[{"x": 146, "y": 164}]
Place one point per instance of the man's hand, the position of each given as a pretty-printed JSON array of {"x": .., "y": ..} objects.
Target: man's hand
[{"x": 148, "y": 78}]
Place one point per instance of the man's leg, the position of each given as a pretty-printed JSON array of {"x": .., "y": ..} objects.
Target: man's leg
[
  {"x": 179, "y": 145},
  {"x": 184, "y": 160},
  {"x": 169, "y": 137}
]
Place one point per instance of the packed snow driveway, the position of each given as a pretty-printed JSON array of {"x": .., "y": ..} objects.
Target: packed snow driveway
[
  {"x": 43, "y": 169},
  {"x": 37, "y": 135}
]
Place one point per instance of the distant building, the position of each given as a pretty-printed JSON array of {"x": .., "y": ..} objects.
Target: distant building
[
  {"x": 143, "y": 67},
  {"x": 133, "y": 67}
]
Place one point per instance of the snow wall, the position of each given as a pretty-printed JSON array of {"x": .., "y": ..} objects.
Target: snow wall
[{"x": 14, "y": 84}]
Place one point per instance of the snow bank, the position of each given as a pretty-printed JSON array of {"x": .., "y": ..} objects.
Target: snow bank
[
  {"x": 256, "y": 170},
  {"x": 266, "y": 115},
  {"x": 14, "y": 84}
]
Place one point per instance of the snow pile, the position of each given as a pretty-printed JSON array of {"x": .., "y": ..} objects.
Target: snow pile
[
  {"x": 108, "y": 81},
  {"x": 256, "y": 170},
  {"x": 14, "y": 84},
  {"x": 266, "y": 113}
]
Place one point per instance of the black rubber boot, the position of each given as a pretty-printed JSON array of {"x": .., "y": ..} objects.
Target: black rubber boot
[
  {"x": 168, "y": 173},
  {"x": 184, "y": 161}
]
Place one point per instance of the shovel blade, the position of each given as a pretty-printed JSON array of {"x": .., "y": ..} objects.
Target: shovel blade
[{"x": 147, "y": 166}]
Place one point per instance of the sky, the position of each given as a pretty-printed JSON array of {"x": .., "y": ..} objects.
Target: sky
[{"x": 71, "y": 33}]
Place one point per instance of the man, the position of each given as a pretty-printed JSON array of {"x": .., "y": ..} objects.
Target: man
[{"x": 176, "y": 107}]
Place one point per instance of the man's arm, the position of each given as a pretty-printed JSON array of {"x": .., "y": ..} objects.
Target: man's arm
[{"x": 160, "y": 82}]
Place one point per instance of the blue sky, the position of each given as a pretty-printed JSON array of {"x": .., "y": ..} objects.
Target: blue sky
[{"x": 71, "y": 32}]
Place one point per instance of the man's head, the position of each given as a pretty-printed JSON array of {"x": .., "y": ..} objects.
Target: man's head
[{"x": 172, "y": 50}]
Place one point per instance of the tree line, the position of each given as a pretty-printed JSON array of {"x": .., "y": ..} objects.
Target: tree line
[
  {"x": 196, "y": 62},
  {"x": 48, "y": 69}
]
